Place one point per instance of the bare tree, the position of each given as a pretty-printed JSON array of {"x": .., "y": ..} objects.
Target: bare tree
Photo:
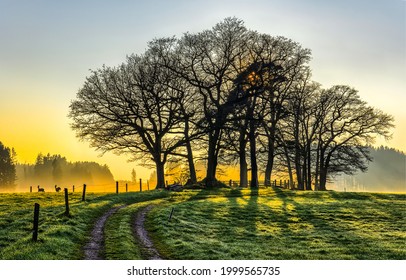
[
  {"x": 131, "y": 109},
  {"x": 189, "y": 111},
  {"x": 210, "y": 61},
  {"x": 292, "y": 61},
  {"x": 348, "y": 125},
  {"x": 301, "y": 128}
]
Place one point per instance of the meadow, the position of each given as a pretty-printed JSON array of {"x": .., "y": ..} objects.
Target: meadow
[{"x": 267, "y": 223}]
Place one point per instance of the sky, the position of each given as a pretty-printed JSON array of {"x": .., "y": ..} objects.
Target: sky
[{"x": 48, "y": 47}]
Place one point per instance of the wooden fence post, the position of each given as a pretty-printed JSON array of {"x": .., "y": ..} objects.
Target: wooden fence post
[
  {"x": 36, "y": 220},
  {"x": 140, "y": 185},
  {"x": 126, "y": 187},
  {"x": 231, "y": 183},
  {"x": 116, "y": 186},
  {"x": 148, "y": 184},
  {"x": 73, "y": 188},
  {"x": 170, "y": 215},
  {"x": 30, "y": 189},
  {"x": 66, "y": 202},
  {"x": 84, "y": 192}
]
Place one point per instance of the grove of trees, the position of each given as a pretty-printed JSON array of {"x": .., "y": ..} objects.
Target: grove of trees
[
  {"x": 7, "y": 166},
  {"x": 49, "y": 170},
  {"x": 229, "y": 95}
]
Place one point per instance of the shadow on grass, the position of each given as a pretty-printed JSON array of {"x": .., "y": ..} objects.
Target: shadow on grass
[{"x": 338, "y": 227}]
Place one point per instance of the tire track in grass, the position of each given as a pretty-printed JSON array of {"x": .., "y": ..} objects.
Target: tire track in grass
[
  {"x": 151, "y": 253},
  {"x": 94, "y": 247}
]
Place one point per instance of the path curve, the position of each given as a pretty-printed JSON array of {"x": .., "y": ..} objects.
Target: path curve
[
  {"x": 151, "y": 253},
  {"x": 93, "y": 248}
]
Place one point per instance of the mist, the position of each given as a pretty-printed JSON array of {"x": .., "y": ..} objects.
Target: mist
[
  {"x": 386, "y": 173},
  {"x": 54, "y": 170}
]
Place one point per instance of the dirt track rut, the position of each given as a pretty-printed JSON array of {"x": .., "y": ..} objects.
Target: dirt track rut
[
  {"x": 151, "y": 253},
  {"x": 94, "y": 248}
]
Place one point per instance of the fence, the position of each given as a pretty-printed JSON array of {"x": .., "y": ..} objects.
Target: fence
[
  {"x": 123, "y": 187},
  {"x": 117, "y": 187},
  {"x": 275, "y": 183}
]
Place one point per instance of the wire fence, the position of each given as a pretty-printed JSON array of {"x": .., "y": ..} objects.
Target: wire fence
[
  {"x": 121, "y": 187},
  {"x": 118, "y": 187},
  {"x": 274, "y": 183}
]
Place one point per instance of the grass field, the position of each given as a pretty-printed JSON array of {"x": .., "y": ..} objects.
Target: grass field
[
  {"x": 284, "y": 225},
  {"x": 60, "y": 237},
  {"x": 220, "y": 224}
]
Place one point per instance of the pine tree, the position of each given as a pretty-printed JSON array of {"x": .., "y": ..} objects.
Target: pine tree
[
  {"x": 7, "y": 166},
  {"x": 133, "y": 176}
]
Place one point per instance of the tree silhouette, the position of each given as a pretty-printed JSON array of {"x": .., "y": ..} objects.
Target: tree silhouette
[
  {"x": 7, "y": 166},
  {"x": 131, "y": 109},
  {"x": 219, "y": 91}
]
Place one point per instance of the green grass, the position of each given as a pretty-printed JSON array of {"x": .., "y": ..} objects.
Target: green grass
[
  {"x": 216, "y": 224},
  {"x": 280, "y": 224},
  {"x": 59, "y": 237},
  {"x": 120, "y": 243}
]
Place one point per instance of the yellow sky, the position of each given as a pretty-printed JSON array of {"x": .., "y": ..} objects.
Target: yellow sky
[{"x": 32, "y": 127}]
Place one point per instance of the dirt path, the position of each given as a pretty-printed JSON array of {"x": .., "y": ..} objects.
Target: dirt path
[
  {"x": 151, "y": 253},
  {"x": 94, "y": 248}
]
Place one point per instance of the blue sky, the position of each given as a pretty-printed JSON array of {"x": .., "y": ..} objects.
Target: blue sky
[{"x": 48, "y": 47}]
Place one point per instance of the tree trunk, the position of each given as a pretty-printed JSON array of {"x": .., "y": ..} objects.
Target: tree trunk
[
  {"x": 289, "y": 166},
  {"x": 324, "y": 163},
  {"x": 316, "y": 176},
  {"x": 243, "y": 160},
  {"x": 298, "y": 166},
  {"x": 304, "y": 173},
  {"x": 270, "y": 160},
  {"x": 243, "y": 173},
  {"x": 309, "y": 171},
  {"x": 212, "y": 160},
  {"x": 253, "y": 157},
  {"x": 192, "y": 169},
  {"x": 323, "y": 179},
  {"x": 160, "y": 174}
]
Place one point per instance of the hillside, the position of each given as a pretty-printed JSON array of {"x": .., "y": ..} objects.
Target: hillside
[{"x": 386, "y": 173}]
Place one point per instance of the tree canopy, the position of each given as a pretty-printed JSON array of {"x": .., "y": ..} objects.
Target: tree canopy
[{"x": 227, "y": 93}]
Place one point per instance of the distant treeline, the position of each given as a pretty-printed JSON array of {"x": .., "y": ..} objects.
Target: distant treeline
[
  {"x": 386, "y": 172},
  {"x": 50, "y": 170}
]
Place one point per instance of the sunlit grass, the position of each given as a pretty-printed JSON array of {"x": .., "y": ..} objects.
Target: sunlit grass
[
  {"x": 216, "y": 224},
  {"x": 284, "y": 225}
]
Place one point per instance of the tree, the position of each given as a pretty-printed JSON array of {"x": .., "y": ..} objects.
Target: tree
[
  {"x": 221, "y": 88},
  {"x": 50, "y": 170},
  {"x": 251, "y": 87},
  {"x": 300, "y": 128},
  {"x": 131, "y": 109},
  {"x": 190, "y": 101},
  {"x": 133, "y": 176},
  {"x": 210, "y": 61},
  {"x": 291, "y": 60},
  {"x": 7, "y": 166}
]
